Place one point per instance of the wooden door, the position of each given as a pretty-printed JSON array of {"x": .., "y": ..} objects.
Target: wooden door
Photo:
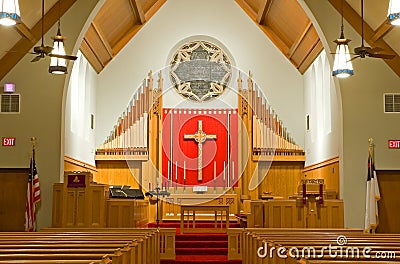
[
  {"x": 13, "y": 188},
  {"x": 388, "y": 206}
]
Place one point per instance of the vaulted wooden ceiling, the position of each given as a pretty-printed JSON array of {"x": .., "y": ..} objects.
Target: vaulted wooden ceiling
[
  {"x": 294, "y": 35},
  {"x": 106, "y": 35}
]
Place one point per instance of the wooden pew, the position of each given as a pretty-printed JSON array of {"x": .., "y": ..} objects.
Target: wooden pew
[
  {"x": 57, "y": 247},
  {"x": 148, "y": 239},
  {"x": 317, "y": 240}
]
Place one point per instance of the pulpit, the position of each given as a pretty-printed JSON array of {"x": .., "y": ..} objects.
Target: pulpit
[
  {"x": 79, "y": 202},
  {"x": 312, "y": 207}
]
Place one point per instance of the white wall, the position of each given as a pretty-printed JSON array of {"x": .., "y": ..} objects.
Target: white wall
[
  {"x": 223, "y": 20},
  {"x": 80, "y": 105},
  {"x": 41, "y": 112},
  {"x": 322, "y": 140},
  {"x": 363, "y": 117}
]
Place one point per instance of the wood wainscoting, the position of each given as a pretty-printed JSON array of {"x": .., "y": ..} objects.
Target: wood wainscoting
[
  {"x": 71, "y": 164},
  {"x": 281, "y": 179},
  {"x": 111, "y": 172},
  {"x": 117, "y": 172},
  {"x": 327, "y": 170}
]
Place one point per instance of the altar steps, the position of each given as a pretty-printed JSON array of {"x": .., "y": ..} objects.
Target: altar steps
[{"x": 199, "y": 248}]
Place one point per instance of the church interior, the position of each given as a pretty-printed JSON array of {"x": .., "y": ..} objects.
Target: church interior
[{"x": 184, "y": 131}]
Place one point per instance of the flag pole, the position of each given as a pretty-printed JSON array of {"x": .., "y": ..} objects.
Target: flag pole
[
  {"x": 372, "y": 193},
  {"x": 371, "y": 148},
  {"x": 371, "y": 154},
  {"x": 33, "y": 142}
]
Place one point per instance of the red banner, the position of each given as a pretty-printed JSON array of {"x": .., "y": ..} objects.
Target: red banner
[{"x": 181, "y": 155}]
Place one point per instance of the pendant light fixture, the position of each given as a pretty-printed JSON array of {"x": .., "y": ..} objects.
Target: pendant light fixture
[
  {"x": 342, "y": 66},
  {"x": 394, "y": 12},
  {"x": 9, "y": 12},
  {"x": 58, "y": 65}
]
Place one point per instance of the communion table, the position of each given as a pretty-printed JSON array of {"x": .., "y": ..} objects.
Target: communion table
[
  {"x": 217, "y": 209},
  {"x": 171, "y": 206}
]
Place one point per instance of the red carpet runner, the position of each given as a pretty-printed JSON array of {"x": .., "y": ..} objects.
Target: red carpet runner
[{"x": 210, "y": 248}]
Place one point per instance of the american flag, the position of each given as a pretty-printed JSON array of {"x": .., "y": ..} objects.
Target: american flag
[{"x": 32, "y": 196}]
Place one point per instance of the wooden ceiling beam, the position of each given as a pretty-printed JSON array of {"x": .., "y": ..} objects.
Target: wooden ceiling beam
[
  {"x": 247, "y": 9},
  {"x": 103, "y": 39},
  {"x": 381, "y": 31},
  {"x": 354, "y": 20},
  {"x": 279, "y": 43},
  {"x": 25, "y": 32},
  {"x": 263, "y": 11},
  {"x": 23, "y": 46},
  {"x": 126, "y": 38},
  {"x": 137, "y": 10},
  {"x": 93, "y": 59},
  {"x": 310, "y": 57},
  {"x": 299, "y": 39},
  {"x": 157, "y": 5}
]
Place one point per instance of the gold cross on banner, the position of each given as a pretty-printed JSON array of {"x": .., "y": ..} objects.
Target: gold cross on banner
[{"x": 200, "y": 137}]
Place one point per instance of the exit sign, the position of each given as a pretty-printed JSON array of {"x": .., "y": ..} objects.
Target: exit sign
[
  {"x": 394, "y": 144},
  {"x": 8, "y": 141}
]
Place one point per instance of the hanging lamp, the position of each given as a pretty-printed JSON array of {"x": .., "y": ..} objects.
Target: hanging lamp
[
  {"x": 394, "y": 12},
  {"x": 9, "y": 12},
  {"x": 342, "y": 66},
  {"x": 58, "y": 65}
]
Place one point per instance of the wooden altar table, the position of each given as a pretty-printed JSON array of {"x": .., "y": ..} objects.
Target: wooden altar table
[{"x": 204, "y": 208}]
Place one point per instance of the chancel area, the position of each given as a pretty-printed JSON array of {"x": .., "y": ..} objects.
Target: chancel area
[{"x": 208, "y": 131}]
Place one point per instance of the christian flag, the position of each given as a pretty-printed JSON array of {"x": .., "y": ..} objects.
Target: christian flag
[
  {"x": 372, "y": 197},
  {"x": 32, "y": 196}
]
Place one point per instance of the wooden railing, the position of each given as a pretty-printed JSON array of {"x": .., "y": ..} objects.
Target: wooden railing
[
  {"x": 167, "y": 243},
  {"x": 235, "y": 242}
]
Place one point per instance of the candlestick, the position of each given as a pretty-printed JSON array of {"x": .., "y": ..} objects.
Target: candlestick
[
  {"x": 215, "y": 170},
  {"x": 184, "y": 170},
  {"x": 176, "y": 171},
  {"x": 233, "y": 177},
  {"x": 228, "y": 178},
  {"x": 233, "y": 172},
  {"x": 168, "y": 170},
  {"x": 224, "y": 176}
]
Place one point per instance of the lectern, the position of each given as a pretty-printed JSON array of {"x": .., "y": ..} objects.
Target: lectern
[{"x": 79, "y": 202}]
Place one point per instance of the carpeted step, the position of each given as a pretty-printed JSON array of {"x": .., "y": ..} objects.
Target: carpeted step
[
  {"x": 201, "y": 237},
  {"x": 199, "y": 251},
  {"x": 201, "y": 244},
  {"x": 200, "y": 259}
]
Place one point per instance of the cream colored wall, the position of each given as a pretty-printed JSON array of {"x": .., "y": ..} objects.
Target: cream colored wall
[
  {"x": 363, "y": 116},
  {"x": 80, "y": 105},
  {"x": 223, "y": 20},
  {"x": 41, "y": 104},
  {"x": 322, "y": 140}
]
